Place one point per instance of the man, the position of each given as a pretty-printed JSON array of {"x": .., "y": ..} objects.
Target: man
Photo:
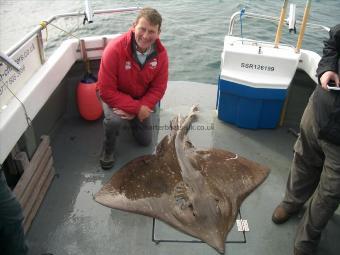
[
  {"x": 132, "y": 79},
  {"x": 12, "y": 238},
  {"x": 316, "y": 164}
]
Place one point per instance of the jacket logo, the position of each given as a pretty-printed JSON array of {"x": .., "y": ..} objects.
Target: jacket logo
[
  {"x": 127, "y": 65},
  {"x": 153, "y": 64}
]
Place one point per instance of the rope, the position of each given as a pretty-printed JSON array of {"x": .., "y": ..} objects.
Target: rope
[
  {"x": 246, "y": 4},
  {"x": 243, "y": 10},
  {"x": 43, "y": 25},
  {"x": 28, "y": 119}
]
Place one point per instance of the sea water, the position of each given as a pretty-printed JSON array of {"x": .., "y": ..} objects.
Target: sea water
[{"x": 192, "y": 30}]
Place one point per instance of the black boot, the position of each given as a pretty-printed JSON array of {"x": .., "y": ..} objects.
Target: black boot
[
  {"x": 111, "y": 126},
  {"x": 107, "y": 158}
]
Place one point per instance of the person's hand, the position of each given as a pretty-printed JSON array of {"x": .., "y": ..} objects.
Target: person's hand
[
  {"x": 328, "y": 76},
  {"x": 123, "y": 115},
  {"x": 144, "y": 112}
]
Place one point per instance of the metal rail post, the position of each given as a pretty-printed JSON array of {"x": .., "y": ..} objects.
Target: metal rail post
[
  {"x": 303, "y": 26},
  {"x": 279, "y": 27}
]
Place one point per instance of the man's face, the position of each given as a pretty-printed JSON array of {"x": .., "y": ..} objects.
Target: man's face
[{"x": 145, "y": 34}]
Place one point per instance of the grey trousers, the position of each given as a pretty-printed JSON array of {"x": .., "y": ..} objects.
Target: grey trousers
[
  {"x": 142, "y": 131},
  {"x": 315, "y": 174},
  {"x": 12, "y": 239}
]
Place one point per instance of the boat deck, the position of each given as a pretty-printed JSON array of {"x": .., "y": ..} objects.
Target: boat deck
[{"x": 71, "y": 222}]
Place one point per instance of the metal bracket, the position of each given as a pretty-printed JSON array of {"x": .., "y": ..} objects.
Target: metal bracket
[{"x": 157, "y": 241}]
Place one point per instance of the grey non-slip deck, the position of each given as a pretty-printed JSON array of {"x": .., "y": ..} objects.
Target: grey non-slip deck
[{"x": 70, "y": 222}]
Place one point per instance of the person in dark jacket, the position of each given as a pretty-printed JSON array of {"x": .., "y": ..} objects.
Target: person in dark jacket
[
  {"x": 315, "y": 170},
  {"x": 12, "y": 238},
  {"x": 132, "y": 79}
]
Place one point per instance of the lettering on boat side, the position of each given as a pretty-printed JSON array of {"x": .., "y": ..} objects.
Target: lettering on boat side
[
  {"x": 258, "y": 67},
  {"x": 28, "y": 59}
]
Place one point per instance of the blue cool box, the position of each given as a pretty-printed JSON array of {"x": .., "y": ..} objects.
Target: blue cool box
[{"x": 249, "y": 107}]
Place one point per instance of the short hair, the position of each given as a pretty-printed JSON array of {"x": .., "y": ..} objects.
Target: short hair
[{"x": 151, "y": 15}]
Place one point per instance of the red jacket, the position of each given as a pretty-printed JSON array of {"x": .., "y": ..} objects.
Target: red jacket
[{"x": 123, "y": 84}]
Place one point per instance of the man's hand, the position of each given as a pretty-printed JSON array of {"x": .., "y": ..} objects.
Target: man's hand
[
  {"x": 123, "y": 115},
  {"x": 144, "y": 112},
  {"x": 328, "y": 76}
]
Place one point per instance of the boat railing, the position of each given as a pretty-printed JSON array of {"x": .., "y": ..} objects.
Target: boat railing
[
  {"x": 252, "y": 42},
  {"x": 36, "y": 32},
  {"x": 237, "y": 16}
]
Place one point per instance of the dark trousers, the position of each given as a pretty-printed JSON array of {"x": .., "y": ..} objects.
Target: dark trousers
[
  {"x": 315, "y": 174},
  {"x": 142, "y": 131},
  {"x": 12, "y": 238}
]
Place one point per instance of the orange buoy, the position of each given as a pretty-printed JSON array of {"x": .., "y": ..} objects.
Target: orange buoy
[{"x": 89, "y": 105}]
